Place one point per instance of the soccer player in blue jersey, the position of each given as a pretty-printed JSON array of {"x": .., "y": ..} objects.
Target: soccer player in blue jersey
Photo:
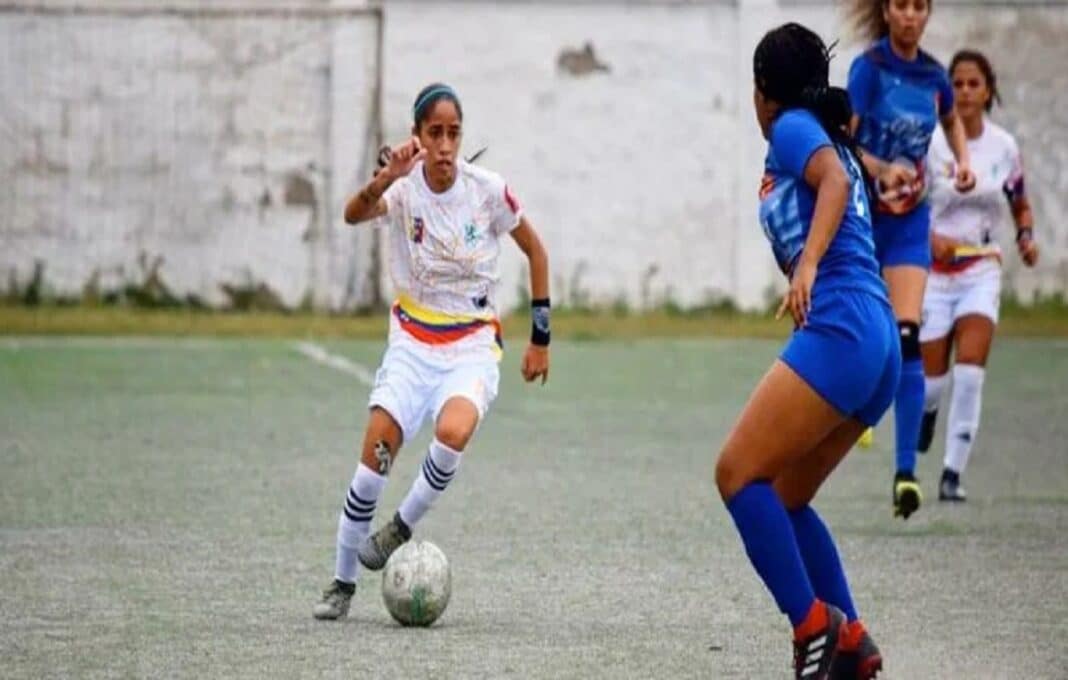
[
  {"x": 899, "y": 93},
  {"x": 838, "y": 372}
]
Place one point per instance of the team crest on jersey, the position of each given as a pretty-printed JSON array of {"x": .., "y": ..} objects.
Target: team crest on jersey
[
  {"x": 471, "y": 234},
  {"x": 418, "y": 230}
]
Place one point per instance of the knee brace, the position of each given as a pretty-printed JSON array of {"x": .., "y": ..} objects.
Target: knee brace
[{"x": 910, "y": 340}]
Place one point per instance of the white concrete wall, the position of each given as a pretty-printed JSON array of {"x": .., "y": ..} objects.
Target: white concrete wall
[
  {"x": 163, "y": 134},
  {"x": 209, "y": 142}
]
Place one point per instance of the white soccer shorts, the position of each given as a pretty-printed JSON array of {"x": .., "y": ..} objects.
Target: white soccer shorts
[
  {"x": 976, "y": 290},
  {"x": 413, "y": 389}
]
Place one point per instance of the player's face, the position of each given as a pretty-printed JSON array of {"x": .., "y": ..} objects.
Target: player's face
[
  {"x": 907, "y": 19},
  {"x": 765, "y": 111},
  {"x": 970, "y": 90},
  {"x": 440, "y": 134}
]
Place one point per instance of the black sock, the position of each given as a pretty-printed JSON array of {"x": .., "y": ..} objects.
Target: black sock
[{"x": 347, "y": 588}]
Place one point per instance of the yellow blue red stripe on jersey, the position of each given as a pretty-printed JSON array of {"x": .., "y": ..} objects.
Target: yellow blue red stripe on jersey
[{"x": 438, "y": 328}]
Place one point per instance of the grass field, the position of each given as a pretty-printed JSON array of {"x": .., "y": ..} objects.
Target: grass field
[{"x": 168, "y": 508}]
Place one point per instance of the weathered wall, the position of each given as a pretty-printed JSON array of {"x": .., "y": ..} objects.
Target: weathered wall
[
  {"x": 206, "y": 141},
  {"x": 644, "y": 179},
  {"x": 227, "y": 147}
]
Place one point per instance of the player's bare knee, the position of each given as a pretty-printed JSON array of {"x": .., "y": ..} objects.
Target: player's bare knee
[
  {"x": 456, "y": 423},
  {"x": 730, "y": 477},
  {"x": 454, "y": 433}
]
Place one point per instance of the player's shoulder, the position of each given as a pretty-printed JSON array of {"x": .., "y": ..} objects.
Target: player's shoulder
[
  {"x": 1000, "y": 136},
  {"x": 930, "y": 63},
  {"x": 480, "y": 177},
  {"x": 792, "y": 123}
]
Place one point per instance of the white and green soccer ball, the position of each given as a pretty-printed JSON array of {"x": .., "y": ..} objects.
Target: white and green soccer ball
[{"x": 417, "y": 583}]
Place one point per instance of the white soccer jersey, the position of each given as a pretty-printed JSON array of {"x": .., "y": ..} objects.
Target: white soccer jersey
[
  {"x": 975, "y": 217},
  {"x": 444, "y": 247}
]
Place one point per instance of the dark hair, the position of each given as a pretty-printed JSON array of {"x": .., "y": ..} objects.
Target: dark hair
[
  {"x": 979, "y": 59},
  {"x": 791, "y": 66},
  {"x": 866, "y": 17},
  {"x": 430, "y": 95}
]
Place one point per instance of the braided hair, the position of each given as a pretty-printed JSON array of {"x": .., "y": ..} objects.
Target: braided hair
[{"x": 791, "y": 66}]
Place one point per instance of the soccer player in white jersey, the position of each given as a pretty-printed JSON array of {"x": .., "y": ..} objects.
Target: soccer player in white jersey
[
  {"x": 960, "y": 306},
  {"x": 446, "y": 219}
]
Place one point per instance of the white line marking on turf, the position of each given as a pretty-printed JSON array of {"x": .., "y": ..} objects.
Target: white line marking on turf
[{"x": 319, "y": 355}]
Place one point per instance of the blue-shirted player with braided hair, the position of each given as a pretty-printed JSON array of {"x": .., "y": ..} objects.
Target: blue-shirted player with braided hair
[
  {"x": 837, "y": 374},
  {"x": 899, "y": 94}
]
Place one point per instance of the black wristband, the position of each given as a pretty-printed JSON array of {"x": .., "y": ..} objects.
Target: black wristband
[
  {"x": 1024, "y": 234},
  {"x": 539, "y": 322}
]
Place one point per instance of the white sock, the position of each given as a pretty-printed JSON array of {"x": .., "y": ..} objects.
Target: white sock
[
  {"x": 354, "y": 523},
  {"x": 933, "y": 385},
  {"x": 964, "y": 407},
  {"x": 437, "y": 471}
]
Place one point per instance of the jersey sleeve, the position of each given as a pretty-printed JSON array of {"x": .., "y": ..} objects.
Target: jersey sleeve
[
  {"x": 794, "y": 138},
  {"x": 1014, "y": 183},
  {"x": 506, "y": 209},
  {"x": 394, "y": 197},
  {"x": 862, "y": 83}
]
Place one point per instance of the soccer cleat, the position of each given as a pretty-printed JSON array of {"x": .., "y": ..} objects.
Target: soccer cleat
[
  {"x": 867, "y": 438},
  {"x": 815, "y": 649},
  {"x": 334, "y": 603},
  {"x": 858, "y": 658},
  {"x": 907, "y": 495},
  {"x": 949, "y": 489},
  {"x": 376, "y": 550},
  {"x": 927, "y": 429}
]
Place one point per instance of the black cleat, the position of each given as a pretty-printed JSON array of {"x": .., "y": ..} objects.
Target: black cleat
[
  {"x": 814, "y": 653},
  {"x": 858, "y": 657},
  {"x": 949, "y": 489},
  {"x": 927, "y": 430},
  {"x": 907, "y": 495}
]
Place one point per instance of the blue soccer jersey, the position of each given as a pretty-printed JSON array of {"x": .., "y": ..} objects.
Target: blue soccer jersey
[
  {"x": 787, "y": 203},
  {"x": 899, "y": 104}
]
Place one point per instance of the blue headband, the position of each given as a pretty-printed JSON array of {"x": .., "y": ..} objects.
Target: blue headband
[{"x": 434, "y": 92}]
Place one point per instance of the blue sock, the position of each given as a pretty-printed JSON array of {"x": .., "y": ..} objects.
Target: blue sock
[
  {"x": 821, "y": 559},
  {"x": 769, "y": 541},
  {"x": 908, "y": 413}
]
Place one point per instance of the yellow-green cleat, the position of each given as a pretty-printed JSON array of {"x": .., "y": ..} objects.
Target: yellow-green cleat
[{"x": 907, "y": 495}]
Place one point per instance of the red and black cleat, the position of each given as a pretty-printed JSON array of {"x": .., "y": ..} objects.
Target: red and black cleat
[
  {"x": 816, "y": 642},
  {"x": 858, "y": 658}
]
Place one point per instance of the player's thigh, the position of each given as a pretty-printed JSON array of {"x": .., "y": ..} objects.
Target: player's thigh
[
  {"x": 973, "y": 336},
  {"x": 936, "y": 327},
  {"x": 977, "y": 313},
  {"x": 462, "y": 400},
  {"x": 906, "y": 284},
  {"x": 403, "y": 389},
  {"x": 936, "y": 355},
  {"x": 783, "y": 419},
  {"x": 798, "y": 483}
]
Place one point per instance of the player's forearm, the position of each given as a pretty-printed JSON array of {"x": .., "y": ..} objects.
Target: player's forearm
[
  {"x": 364, "y": 205},
  {"x": 953, "y": 126},
  {"x": 1022, "y": 215},
  {"x": 874, "y": 165},
  {"x": 831, "y": 197},
  {"x": 538, "y": 258}
]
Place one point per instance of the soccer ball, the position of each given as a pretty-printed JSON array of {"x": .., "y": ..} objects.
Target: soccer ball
[{"x": 417, "y": 583}]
